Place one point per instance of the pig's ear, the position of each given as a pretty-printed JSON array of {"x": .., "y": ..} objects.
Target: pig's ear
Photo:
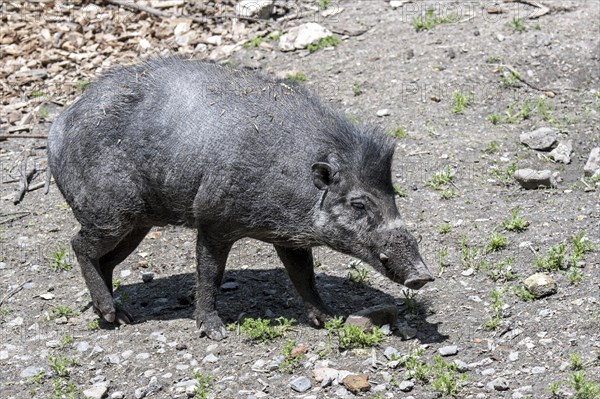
[{"x": 323, "y": 175}]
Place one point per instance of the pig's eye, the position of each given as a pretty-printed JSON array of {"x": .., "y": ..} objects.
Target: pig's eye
[{"x": 358, "y": 205}]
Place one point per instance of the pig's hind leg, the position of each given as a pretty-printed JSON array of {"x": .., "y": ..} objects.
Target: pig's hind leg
[
  {"x": 90, "y": 245},
  {"x": 211, "y": 255},
  {"x": 300, "y": 268}
]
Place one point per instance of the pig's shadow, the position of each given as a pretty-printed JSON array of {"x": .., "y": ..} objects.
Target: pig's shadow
[{"x": 260, "y": 293}]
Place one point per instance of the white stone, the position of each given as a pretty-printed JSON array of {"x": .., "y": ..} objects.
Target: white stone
[{"x": 299, "y": 37}]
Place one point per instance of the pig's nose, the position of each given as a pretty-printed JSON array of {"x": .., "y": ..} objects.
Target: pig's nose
[{"x": 419, "y": 281}]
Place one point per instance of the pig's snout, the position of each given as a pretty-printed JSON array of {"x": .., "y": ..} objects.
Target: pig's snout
[{"x": 419, "y": 280}]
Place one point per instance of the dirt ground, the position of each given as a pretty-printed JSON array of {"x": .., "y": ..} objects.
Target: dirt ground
[{"x": 382, "y": 63}]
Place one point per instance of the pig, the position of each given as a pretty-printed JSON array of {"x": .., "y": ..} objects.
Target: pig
[{"x": 231, "y": 153}]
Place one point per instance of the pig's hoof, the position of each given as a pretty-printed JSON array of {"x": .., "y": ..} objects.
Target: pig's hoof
[
  {"x": 123, "y": 317},
  {"x": 212, "y": 326},
  {"x": 317, "y": 318}
]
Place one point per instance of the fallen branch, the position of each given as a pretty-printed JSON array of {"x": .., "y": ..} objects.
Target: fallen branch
[
  {"x": 13, "y": 292},
  {"x": 17, "y": 216},
  {"x": 24, "y": 180},
  {"x": 541, "y": 9},
  {"x": 22, "y": 136}
]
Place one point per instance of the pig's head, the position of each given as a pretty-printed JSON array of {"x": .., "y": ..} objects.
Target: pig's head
[{"x": 356, "y": 212}]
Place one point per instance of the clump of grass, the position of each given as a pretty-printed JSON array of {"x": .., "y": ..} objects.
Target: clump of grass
[
  {"x": 492, "y": 59},
  {"x": 461, "y": 101},
  {"x": 492, "y": 147},
  {"x": 409, "y": 299},
  {"x": 446, "y": 378},
  {"x": 584, "y": 389},
  {"x": 60, "y": 260},
  {"x": 116, "y": 283},
  {"x": 62, "y": 311},
  {"x": 254, "y": 42},
  {"x": 400, "y": 191},
  {"x": 351, "y": 336},
  {"x": 356, "y": 89},
  {"x": 262, "y": 330},
  {"x": 43, "y": 113},
  {"x": 59, "y": 366},
  {"x": 203, "y": 386},
  {"x": 66, "y": 340},
  {"x": 556, "y": 259},
  {"x": 444, "y": 228},
  {"x": 575, "y": 362},
  {"x": 329, "y": 41},
  {"x": 496, "y": 308},
  {"x": 575, "y": 276},
  {"x": 430, "y": 20},
  {"x": 468, "y": 256},
  {"x": 510, "y": 78},
  {"x": 518, "y": 25},
  {"x": 523, "y": 293},
  {"x": 502, "y": 271},
  {"x": 441, "y": 178},
  {"x": 515, "y": 222},
  {"x": 504, "y": 175},
  {"x": 273, "y": 36},
  {"x": 580, "y": 245},
  {"x": 296, "y": 77},
  {"x": 357, "y": 273},
  {"x": 323, "y": 4},
  {"x": 400, "y": 132},
  {"x": 37, "y": 94},
  {"x": 93, "y": 325},
  {"x": 290, "y": 362},
  {"x": 496, "y": 242},
  {"x": 448, "y": 194},
  {"x": 82, "y": 85}
]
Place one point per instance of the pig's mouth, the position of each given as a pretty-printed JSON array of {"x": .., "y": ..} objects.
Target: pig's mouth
[{"x": 417, "y": 276}]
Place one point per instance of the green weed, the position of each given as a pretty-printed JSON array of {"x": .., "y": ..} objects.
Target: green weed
[
  {"x": 203, "y": 386},
  {"x": 448, "y": 194},
  {"x": 496, "y": 308},
  {"x": 492, "y": 147},
  {"x": 62, "y": 311},
  {"x": 518, "y": 25},
  {"x": 400, "y": 191},
  {"x": 254, "y": 42},
  {"x": 515, "y": 222},
  {"x": 60, "y": 260},
  {"x": 350, "y": 336},
  {"x": 496, "y": 242},
  {"x": 262, "y": 330},
  {"x": 523, "y": 293},
  {"x": 439, "y": 179},
  {"x": 399, "y": 132},
  {"x": 359, "y": 274},
  {"x": 60, "y": 365},
  {"x": 556, "y": 259},
  {"x": 460, "y": 102},
  {"x": 323, "y": 4},
  {"x": 444, "y": 228},
  {"x": 329, "y": 41},
  {"x": 430, "y": 20},
  {"x": 93, "y": 325},
  {"x": 290, "y": 362},
  {"x": 502, "y": 271},
  {"x": 504, "y": 175},
  {"x": 410, "y": 300},
  {"x": 356, "y": 89},
  {"x": 296, "y": 77}
]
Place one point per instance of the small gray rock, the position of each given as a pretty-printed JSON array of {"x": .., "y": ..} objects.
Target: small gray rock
[
  {"x": 97, "y": 391},
  {"x": 513, "y": 356},
  {"x": 117, "y": 395},
  {"x": 300, "y": 384},
  {"x": 230, "y": 286},
  {"x": 383, "y": 112},
  {"x": 448, "y": 350},
  {"x": 147, "y": 277},
  {"x": 407, "y": 332},
  {"x": 542, "y": 139},
  {"x": 140, "y": 393},
  {"x": 210, "y": 358},
  {"x": 538, "y": 370},
  {"x": 406, "y": 386},
  {"x": 391, "y": 353},
  {"x": 461, "y": 366},
  {"x": 254, "y": 8},
  {"x": 562, "y": 152},
  {"x": 142, "y": 356},
  {"x": 592, "y": 166},
  {"x": 30, "y": 371},
  {"x": 531, "y": 179},
  {"x": 499, "y": 384}
]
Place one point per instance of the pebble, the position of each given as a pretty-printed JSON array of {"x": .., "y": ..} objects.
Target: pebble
[
  {"x": 125, "y": 273},
  {"x": 112, "y": 359},
  {"x": 499, "y": 384},
  {"x": 513, "y": 356},
  {"x": 325, "y": 373},
  {"x": 448, "y": 350},
  {"x": 127, "y": 354},
  {"x": 82, "y": 346},
  {"x": 562, "y": 152},
  {"x": 30, "y": 371},
  {"x": 261, "y": 9},
  {"x": 356, "y": 383},
  {"x": 489, "y": 371},
  {"x": 540, "y": 285},
  {"x": 147, "y": 277},
  {"x": 141, "y": 356},
  {"x": 299, "y": 37},
  {"x": 210, "y": 358},
  {"x": 97, "y": 391},
  {"x": 391, "y": 353},
  {"x": 374, "y": 316},
  {"x": 538, "y": 370},
  {"x": 406, "y": 386},
  {"x": 542, "y": 139},
  {"x": 117, "y": 395},
  {"x": 531, "y": 179},
  {"x": 230, "y": 286},
  {"x": 469, "y": 272},
  {"x": 461, "y": 366},
  {"x": 300, "y": 384},
  {"x": 407, "y": 332},
  {"x": 592, "y": 166},
  {"x": 383, "y": 112}
]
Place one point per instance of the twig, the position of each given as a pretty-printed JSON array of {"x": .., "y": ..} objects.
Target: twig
[
  {"x": 26, "y": 176},
  {"x": 542, "y": 9},
  {"x": 36, "y": 186},
  {"x": 517, "y": 76},
  {"x": 18, "y": 215},
  {"x": 23, "y": 136},
  {"x": 14, "y": 291}
]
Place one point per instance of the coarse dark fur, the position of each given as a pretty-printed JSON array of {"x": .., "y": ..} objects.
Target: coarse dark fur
[{"x": 233, "y": 154}]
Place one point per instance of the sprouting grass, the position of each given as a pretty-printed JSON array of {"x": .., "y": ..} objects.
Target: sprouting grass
[
  {"x": 441, "y": 178},
  {"x": 468, "y": 256},
  {"x": 93, "y": 325},
  {"x": 556, "y": 259},
  {"x": 59, "y": 366},
  {"x": 254, "y": 42},
  {"x": 504, "y": 176},
  {"x": 523, "y": 293},
  {"x": 400, "y": 132},
  {"x": 409, "y": 298},
  {"x": 296, "y": 77},
  {"x": 203, "y": 386},
  {"x": 444, "y": 228},
  {"x": 575, "y": 362},
  {"x": 43, "y": 113},
  {"x": 60, "y": 259},
  {"x": 273, "y": 36},
  {"x": 580, "y": 245},
  {"x": 62, "y": 311},
  {"x": 356, "y": 89},
  {"x": 82, "y": 85},
  {"x": 496, "y": 242},
  {"x": 329, "y": 41},
  {"x": 448, "y": 194},
  {"x": 400, "y": 191},
  {"x": 510, "y": 78},
  {"x": 116, "y": 283},
  {"x": 357, "y": 273},
  {"x": 492, "y": 148},
  {"x": 351, "y": 336},
  {"x": 518, "y": 25},
  {"x": 323, "y": 4},
  {"x": 515, "y": 222},
  {"x": 502, "y": 271},
  {"x": 430, "y": 20},
  {"x": 262, "y": 330},
  {"x": 291, "y": 361},
  {"x": 37, "y": 94},
  {"x": 494, "y": 118},
  {"x": 584, "y": 389},
  {"x": 492, "y": 59},
  {"x": 575, "y": 276},
  {"x": 66, "y": 340},
  {"x": 446, "y": 379},
  {"x": 496, "y": 308},
  {"x": 461, "y": 101}
]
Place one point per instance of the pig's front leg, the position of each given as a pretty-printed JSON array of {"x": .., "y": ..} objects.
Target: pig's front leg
[
  {"x": 300, "y": 268},
  {"x": 211, "y": 256}
]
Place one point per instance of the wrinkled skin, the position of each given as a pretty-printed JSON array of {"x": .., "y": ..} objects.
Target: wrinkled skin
[{"x": 231, "y": 154}]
